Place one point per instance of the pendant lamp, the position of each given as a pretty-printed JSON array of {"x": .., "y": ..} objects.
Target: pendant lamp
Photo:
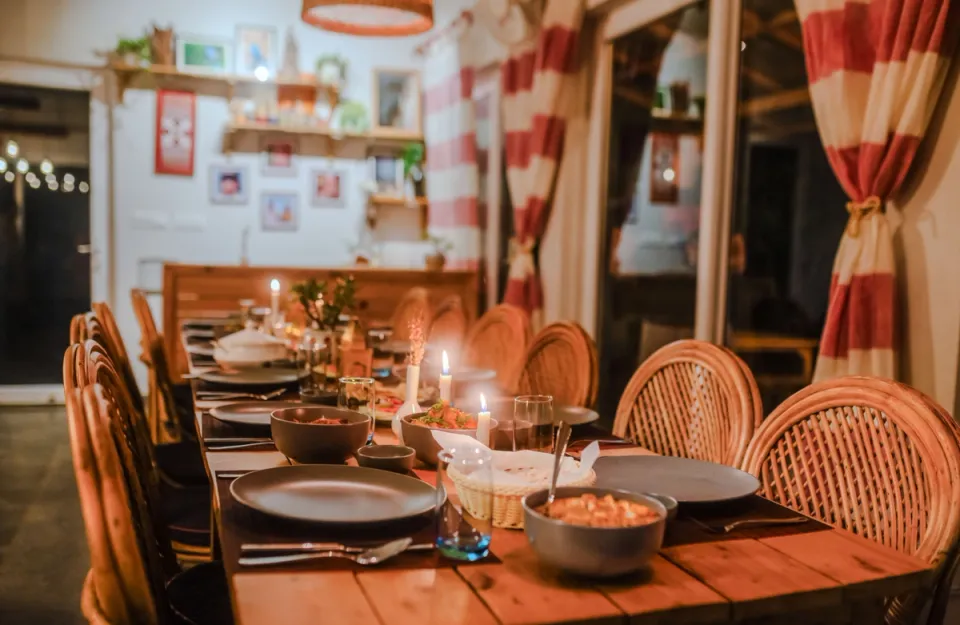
[{"x": 372, "y": 18}]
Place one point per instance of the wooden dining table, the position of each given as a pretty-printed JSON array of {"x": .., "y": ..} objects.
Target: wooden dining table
[{"x": 815, "y": 574}]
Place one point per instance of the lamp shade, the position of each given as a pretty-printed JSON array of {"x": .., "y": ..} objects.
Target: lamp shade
[{"x": 373, "y": 18}]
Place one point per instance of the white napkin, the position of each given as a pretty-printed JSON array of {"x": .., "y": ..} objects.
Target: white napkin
[{"x": 525, "y": 468}]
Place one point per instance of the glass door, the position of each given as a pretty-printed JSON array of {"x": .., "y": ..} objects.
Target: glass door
[
  {"x": 44, "y": 228},
  {"x": 649, "y": 251}
]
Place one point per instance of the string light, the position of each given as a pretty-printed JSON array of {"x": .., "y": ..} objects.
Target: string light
[
  {"x": 9, "y": 176},
  {"x": 3, "y": 165},
  {"x": 23, "y": 166},
  {"x": 46, "y": 167},
  {"x": 12, "y": 149},
  {"x": 84, "y": 187},
  {"x": 31, "y": 177},
  {"x": 261, "y": 73},
  {"x": 68, "y": 179},
  {"x": 50, "y": 178},
  {"x": 35, "y": 183},
  {"x": 53, "y": 186}
]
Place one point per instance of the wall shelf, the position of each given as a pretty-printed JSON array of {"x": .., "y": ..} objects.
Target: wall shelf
[
  {"x": 376, "y": 201},
  {"x": 331, "y": 141},
  {"x": 168, "y": 76},
  {"x": 665, "y": 120}
]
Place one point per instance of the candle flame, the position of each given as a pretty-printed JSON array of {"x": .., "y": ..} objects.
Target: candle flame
[
  {"x": 483, "y": 403},
  {"x": 445, "y": 366},
  {"x": 275, "y": 286}
]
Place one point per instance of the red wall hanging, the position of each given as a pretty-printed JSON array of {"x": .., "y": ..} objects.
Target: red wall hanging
[{"x": 174, "y": 140}]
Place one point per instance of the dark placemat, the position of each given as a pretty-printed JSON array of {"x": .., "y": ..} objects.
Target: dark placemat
[
  {"x": 211, "y": 427},
  {"x": 683, "y": 530},
  {"x": 240, "y": 524}
]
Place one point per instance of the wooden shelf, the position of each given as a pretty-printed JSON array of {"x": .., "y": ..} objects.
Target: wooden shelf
[
  {"x": 332, "y": 141},
  {"x": 665, "y": 120},
  {"x": 224, "y": 85},
  {"x": 384, "y": 199}
]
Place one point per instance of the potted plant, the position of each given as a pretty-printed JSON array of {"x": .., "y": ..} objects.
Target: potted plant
[
  {"x": 324, "y": 309},
  {"x": 133, "y": 51},
  {"x": 438, "y": 259},
  {"x": 412, "y": 156}
]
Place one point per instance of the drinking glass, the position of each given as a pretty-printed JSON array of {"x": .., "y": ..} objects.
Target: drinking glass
[
  {"x": 359, "y": 395},
  {"x": 464, "y": 533},
  {"x": 312, "y": 365},
  {"x": 532, "y": 426}
]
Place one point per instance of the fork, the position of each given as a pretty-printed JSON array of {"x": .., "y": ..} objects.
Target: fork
[
  {"x": 224, "y": 395},
  {"x": 729, "y": 527}
]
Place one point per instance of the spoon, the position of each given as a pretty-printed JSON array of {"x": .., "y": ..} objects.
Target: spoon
[
  {"x": 368, "y": 557},
  {"x": 559, "y": 449}
]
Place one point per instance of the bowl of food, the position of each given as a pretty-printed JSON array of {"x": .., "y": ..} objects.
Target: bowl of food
[
  {"x": 397, "y": 458},
  {"x": 417, "y": 429},
  {"x": 594, "y": 532},
  {"x": 318, "y": 434}
]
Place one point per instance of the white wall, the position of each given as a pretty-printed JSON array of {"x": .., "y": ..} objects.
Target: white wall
[{"x": 188, "y": 227}]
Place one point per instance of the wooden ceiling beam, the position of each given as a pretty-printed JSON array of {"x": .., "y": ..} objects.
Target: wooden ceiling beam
[{"x": 783, "y": 100}]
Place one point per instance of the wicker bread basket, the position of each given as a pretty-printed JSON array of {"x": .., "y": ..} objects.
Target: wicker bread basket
[{"x": 507, "y": 511}]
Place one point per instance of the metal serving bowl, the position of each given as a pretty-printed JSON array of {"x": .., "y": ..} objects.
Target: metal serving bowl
[{"x": 592, "y": 551}]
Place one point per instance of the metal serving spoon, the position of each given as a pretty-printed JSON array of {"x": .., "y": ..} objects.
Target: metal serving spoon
[
  {"x": 559, "y": 450},
  {"x": 368, "y": 557}
]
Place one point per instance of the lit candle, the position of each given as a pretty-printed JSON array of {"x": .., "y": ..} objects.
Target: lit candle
[
  {"x": 274, "y": 301},
  {"x": 446, "y": 380},
  {"x": 483, "y": 422}
]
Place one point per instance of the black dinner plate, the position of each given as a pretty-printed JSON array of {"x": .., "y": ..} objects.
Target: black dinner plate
[
  {"x": 686, "y": 480},
  {"x": 574, "y": 415},
  {"x": 250, "y": 412},
  {"x": 333, "y": 494},
  {"x": 267, "y": 376}
]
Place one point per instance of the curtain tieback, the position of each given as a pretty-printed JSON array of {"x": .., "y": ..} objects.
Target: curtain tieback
[
  {"x": 521, "y": 258},
  {"x": 859, "y": 210}
]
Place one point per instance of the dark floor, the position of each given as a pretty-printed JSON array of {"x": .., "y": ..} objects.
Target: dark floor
[{"x": 43, "y": 552}]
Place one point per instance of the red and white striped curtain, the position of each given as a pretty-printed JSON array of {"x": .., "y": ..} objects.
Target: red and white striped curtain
[
  {"x": 536, "y": 79},
  {"x": 451, "y": 142},
  {"x": 876, "y": 69}
]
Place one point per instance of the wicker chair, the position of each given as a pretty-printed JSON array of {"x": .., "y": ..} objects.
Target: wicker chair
[
  {"x": 498, "y": 341},
  {"x": 160, "y": 422},
  {"x": 109, "y": 336},
  {"x": 78, "y": 329},
  {"x": 414, "y": 306},
  {"x": 691, "y": 399},
  {"x": 875, "y": 458},
  {"x": 449, "y": 324},
  {"x": 562, "y": 362}
]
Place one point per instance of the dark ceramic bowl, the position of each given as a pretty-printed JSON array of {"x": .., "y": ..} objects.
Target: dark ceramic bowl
[
  {"x": 313, "y": 443},
  {"x": 398, "y": 458},
  {"x": 420, "y": 437},
  {"x": 592, "y": 551}
]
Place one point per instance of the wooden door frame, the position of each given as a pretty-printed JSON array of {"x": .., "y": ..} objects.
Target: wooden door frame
[{"x": 617, "y": 18}]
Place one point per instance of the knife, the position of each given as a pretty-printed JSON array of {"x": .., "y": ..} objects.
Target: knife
[{"x": 247, "y": 548}]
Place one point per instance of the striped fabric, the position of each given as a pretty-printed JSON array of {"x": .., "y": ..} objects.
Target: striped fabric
[
  {"x": 876, "y": 69},
  {"x": 536, "y": 79},
  {"x": 451, "y": 141}
]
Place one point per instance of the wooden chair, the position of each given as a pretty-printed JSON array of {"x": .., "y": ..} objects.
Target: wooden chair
[
  {"x": 691, "y": 399},
  {"x": 161, "y": 424},
  {"x": 872, "y": 457},
  {"x": 415, "y": 305},
  {"x": 499, "y": 341},
  {"x": 109, "y": 336},
  {"x": 449, "y": 324},
  {"x": 78, "y": 329},
  {"x": 562, "y": 362}
]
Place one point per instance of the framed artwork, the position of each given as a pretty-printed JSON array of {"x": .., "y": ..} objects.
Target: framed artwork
[
  {"x": 664, "y": 168},
  {"x": 257, "y": 51},
  {"x": 174, "y": 143},
  {"x": 278, "y": 158},
  {"x": 229, "y": 184},
  {"x": 387, "y": 173},
  {"x": 279, "y": 211},
  {"x": 204, "y": 55},
  {"x": 328, "y": 188},
  {"x": 396, "y": 101}
]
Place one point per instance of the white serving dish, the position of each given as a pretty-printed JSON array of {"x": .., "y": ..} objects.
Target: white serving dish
[{"x": 247, "y": 349}]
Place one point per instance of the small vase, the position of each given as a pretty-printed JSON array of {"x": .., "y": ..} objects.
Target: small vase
[{"x": 410, "y": 405}]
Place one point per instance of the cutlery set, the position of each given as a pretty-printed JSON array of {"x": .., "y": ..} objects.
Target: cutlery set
[
  {"x": 225, "y": 395},
  {"x": 285, "y": 553}
]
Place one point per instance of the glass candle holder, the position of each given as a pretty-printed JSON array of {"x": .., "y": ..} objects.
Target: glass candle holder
[
  {"x": 359, "y": 395},
  {"x": 464, "y": 532}
]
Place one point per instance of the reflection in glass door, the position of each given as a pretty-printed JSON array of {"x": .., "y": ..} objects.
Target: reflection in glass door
[{"x": 649, "y": 258}]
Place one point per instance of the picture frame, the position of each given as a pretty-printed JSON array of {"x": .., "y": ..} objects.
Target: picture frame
[
  {"x": 174, "y": 132},
  {"x": 229, "y": 184},
  {"x": 328, "y": 188},
  {"x": 387, "y": 173},
  {"x": 397, "y": 102},
  {"x": 204, "y": 55},
  {"x": 279, "y": 157},
  {"x": 279, "y": 211},
  {"x": 255, "y": 47}
]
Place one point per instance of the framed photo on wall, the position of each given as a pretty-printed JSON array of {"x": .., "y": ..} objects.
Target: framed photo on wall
[
  {"x": 396, "y": 101},
  {"x": 229, "y": 184},
  {"x": 257, "y": 50},
  {"x": 387, "y": 173},
  {"x": 279, "y": 157},
  {"x": 328, "y": 188},
  {"x": 174, "y": 143},
  {"x": 279, "y": 211},
  {"x": 204, "y": 55}
]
